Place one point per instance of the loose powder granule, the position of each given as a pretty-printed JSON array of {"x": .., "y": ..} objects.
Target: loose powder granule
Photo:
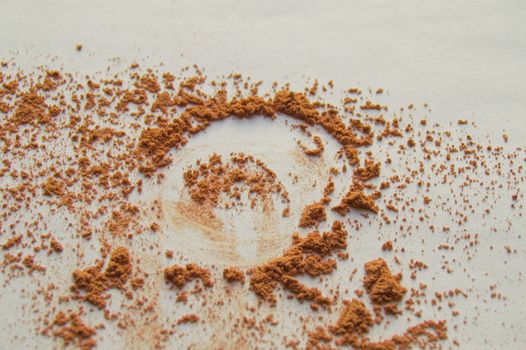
[
  {"x": 189, "y": 318},
  {"x": 387, "y": 246}
]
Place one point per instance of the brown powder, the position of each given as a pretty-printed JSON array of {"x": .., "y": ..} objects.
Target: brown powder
[
  {"x": 312, "y": 215},
  {"x": 381, "y": 285},
  {"x": 53, "y": 187},
  {"x": 103, "y": 170},
  {"x": 73, "y": 331},
  {"x": 354, "y": 319},
  {"x": 181, "y": 275},
  {"x": 306, "y": 256},
  {"x": 387, "y": 246},
  {"x": 156, "y": 143},
  {"x": 316, "y": 151},
  {"x": 56, "y": 246},
  {"x": 206, "y": 183},
  {"x": 233, "y": 274},
  {"x": 95, "y": 282},
  {"x": 368, "y": 172},
  {"x": 30, "y": 109},
  {"x": 11, "y": 242},
  {"x": 189, "y": 318},
  {"x": 356, "y": 198}
]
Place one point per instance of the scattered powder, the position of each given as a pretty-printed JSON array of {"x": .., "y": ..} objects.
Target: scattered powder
[
  {"x": 122, "y": 132},
  {"x": 207, "y": 182}
]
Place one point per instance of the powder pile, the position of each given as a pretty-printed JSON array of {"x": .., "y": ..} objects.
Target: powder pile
[
  {"x": 312, "y": 215},
  {"x": 355, "y": 320},
  {"x": 96, "y": 282},
  {"x": 381, "y": 285}
]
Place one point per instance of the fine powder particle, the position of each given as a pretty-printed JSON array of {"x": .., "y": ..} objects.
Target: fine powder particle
[
  {"x": 95, "y": 282},
  {"x": 233, "y": 274},
  {"x": 387, "y": 246},
  {"x": 381, "y": 285},
  {"x": 181, "y": 275}
]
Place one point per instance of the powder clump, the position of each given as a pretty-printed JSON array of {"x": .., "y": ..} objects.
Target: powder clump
[
  {"x": 233, "y": 274},
  {"x": 181, "y": 275},
  {"x": 72, "y": 330},
  {"x": 96, "y": 282},
  {"x": 312, "y": 215},
  {"x": 381, "y": 285},
  {"x": 357, "y": 199}
]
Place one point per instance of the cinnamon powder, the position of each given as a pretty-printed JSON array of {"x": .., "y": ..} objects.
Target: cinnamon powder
[
  {"x": 306, "y": 256},
  {"x": 105, "y": 160},
  {"x": 312, "y": 215},
  {"x": 72, "y": 330},
  {"x": 381, "y": 285},
  {"x": 179, "y": 276},
  {"x": 233, "y": 274},
  {"x": 95, "y": 282}
]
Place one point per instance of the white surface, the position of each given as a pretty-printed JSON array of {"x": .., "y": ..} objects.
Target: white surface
[{"x": 466, "y": 59}]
